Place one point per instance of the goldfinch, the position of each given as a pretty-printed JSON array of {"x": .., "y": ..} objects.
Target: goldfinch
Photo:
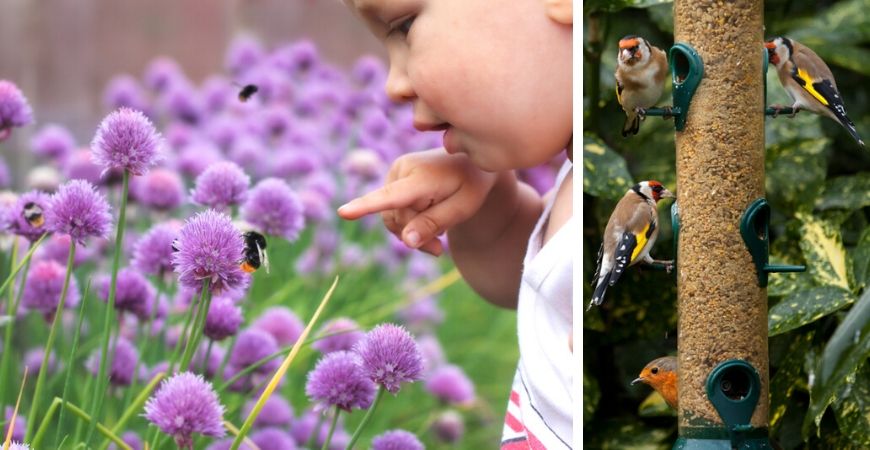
[
  {"x": 808, "y": 81},
  {"x": 640, "y": 79},
  {"x": 630, "y": 234},
  {"x": 661, "y": 375}
]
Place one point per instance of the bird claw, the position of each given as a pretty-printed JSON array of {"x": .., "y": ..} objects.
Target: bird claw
[
  {"x": 776, "y": 109},
  {"x": 641, "y": 112},
  {"x": 794, "y": 111},
  {"x": 668, "y": 113},
  {"x": 669, "y": 264}
]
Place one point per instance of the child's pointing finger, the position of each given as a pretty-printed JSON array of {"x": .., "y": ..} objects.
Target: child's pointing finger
[{"x": 401, "y": 193}]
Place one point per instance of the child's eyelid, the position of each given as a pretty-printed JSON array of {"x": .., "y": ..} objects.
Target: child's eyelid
[{"x": 395, "y": 25}]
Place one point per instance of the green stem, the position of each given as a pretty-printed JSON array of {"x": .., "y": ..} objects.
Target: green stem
[
  {"x": 12, "y": 312},
  {"x": 81, "y": 414},
  {"x": 204, "y": 368},
  {"x": 229, "y": 350},
  {"x": 182, "y": 338},
  {"x": 43, "y": 427},
  {"x": 55, "y": 323},
  {"x": 72, "y": 358},
  {"x": 331, "y": 429},
  {"x": 366, "y": 419},
  {"x": 312, "y": 438},
  {"x": 21, "y": 263},
  {"x": 136, "y": 406},
  {"x": 196, "y": 332},
  {"x": 105, "y": 357}
]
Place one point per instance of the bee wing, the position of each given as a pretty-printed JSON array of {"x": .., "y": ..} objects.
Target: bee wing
[{"x": 264, "y": 258}]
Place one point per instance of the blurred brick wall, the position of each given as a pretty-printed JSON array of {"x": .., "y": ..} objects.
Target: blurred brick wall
[{"x": 61, "y": 53}]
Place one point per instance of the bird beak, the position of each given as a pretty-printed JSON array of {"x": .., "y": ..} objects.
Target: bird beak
[
  {"x": 627, "y": 54},
  {"x": 637, "y": 380},
  {"x": 667, "y": 194}
]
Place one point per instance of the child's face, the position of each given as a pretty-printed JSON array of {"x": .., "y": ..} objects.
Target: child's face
[{"x": 496, "y": 75}]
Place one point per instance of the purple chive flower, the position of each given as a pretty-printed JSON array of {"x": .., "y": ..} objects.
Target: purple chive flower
[
  {"x": 249, "y": 153},
  {"x": 215, "y": 358},
  {"x": 223, "y": 131},
  {"x": 77, "y": 209},
  {"x": 221, "y": 185},
  {"x": 339, "y": 380},
  {"x": 449, "y": 427},
  {"x": 281, "y": 323},
  {"x": 273, "y": 439},
  {"x": 43, "y": 287},
  {"x": 216, "y": 92},
  {"x": 130, "y": 438},
  {"x": 124, "y": 91},
  {"x": 302, "y": 428},
  {"x": 196, "y": 157},
  {"x": 396, "y": 440},
  {"x": 133, "y": 293},
  {"x": 53, "y": 142},
  {"x": 20, "y": 424},
  {"x": 159, "y": 189},
  {"x": 209, "y": 248},
  {"x": 33, "y": 361},
  {"x": 450, "y": 384},
  {"x": 390, "y": 356},
  {"x": 341, "y": 333},
  {"x": 126, "y": 140},
  {"x": 276, "y": 121},
  {"x": 18, "y": 446},
  {"x": 421, "y": 315},
  {"x": 186, "y": 404},
  {"x": 368, "y": 71},
  {"x": 56, "y": 248},
  {"x": 182, "y": 102},
  {"x": 275, "y": 209},
  {"x": 276, "y": 412},
  {"x": 161, "y": 73},
  {"x": 123, "y": 363},
  {"x": 223, "y": 319},
  {"x": 33, "y": 202},
  {"x": 80, "y": 166},
  {"x": 244, "y": 52},
  {"x": 433, "y": 354},
  {"x": 253, "y": 345},
  {"x": 153, "y": 252},
  {"x": 14, "y": 109}
]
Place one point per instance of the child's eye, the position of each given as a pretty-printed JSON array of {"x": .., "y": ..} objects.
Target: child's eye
[{"x": 404, "y": 26}]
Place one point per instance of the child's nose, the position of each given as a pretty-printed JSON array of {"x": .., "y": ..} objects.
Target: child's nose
[{"x": 398, "y": 86}]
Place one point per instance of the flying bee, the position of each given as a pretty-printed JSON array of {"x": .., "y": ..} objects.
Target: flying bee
[
  {"x": 247, "y": 91},
  {"x": 33, "y": 214},
  {"x": 255, "y": 252}
]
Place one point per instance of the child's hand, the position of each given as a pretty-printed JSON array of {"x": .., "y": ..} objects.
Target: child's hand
[{"x": 425, "y": 194}]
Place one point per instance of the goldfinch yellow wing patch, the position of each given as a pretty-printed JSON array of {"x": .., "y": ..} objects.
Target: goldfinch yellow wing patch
[{"x": 806, "y": 81}]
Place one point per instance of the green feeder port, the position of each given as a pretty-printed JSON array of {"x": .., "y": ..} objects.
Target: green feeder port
[
  {"x": 754, "y": 227},
  {"x": 733, "y": 388},
  {"x": 687, "y": 70}
]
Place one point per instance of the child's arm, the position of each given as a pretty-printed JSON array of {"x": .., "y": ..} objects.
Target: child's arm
[
  {"x": 489, "y": 248},
  {"x": 490, "y": 217}
]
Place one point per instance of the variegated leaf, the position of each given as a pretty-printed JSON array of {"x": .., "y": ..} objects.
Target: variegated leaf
[
  {"x": 845, "y": 352},
  {"x": 605, "y": 173},
  {"x": 823, "y": 250},
  {"x": 852, "y": 192},
  {"x": 803, "y": 307},
  {"x": 852, "y": 409}
]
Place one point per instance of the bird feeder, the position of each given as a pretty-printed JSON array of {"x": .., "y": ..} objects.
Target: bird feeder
[{"x": 722, "y": 305}]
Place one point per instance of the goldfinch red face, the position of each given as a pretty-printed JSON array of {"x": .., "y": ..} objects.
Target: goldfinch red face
[
  {"x": 655, "y": 190},
  {"x": 778, "y": 50},
  {"x": 633, "y": 50}
]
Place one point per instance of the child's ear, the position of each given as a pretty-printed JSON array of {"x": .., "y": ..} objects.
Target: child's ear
[{"x": 561, "y": 11}]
